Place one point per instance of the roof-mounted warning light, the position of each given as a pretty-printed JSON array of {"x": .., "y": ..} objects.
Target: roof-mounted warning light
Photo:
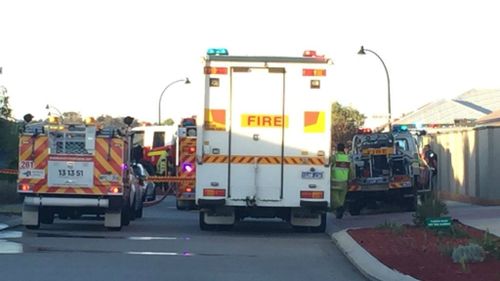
[
  {"x": 364, "y": 131},
  {"x": 217, "y": 52},
  {"x": 399, "y": 128},
  {"x": 312, "y": 54}
]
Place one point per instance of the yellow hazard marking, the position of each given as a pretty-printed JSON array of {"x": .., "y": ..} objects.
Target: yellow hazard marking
[
  {"x": 246, "y": 159},
  {"x": 264, "y": 120}
]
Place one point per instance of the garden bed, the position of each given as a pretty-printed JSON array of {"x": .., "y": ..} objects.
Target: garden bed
[{"x": 425, "y": 254}]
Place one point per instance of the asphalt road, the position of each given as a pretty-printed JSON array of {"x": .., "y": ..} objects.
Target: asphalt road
[{"x": 167, "y": 244}]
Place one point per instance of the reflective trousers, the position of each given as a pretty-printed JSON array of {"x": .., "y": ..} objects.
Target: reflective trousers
[{"x": 338, "y": 193}]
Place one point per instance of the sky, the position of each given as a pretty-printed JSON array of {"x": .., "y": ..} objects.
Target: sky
[{"x": 115, "y": 58}]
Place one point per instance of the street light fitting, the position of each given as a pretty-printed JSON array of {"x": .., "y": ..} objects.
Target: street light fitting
[
  {"x": 48, "y": 107},
  {"x": 186, "y": 81},
  {"x": 362, "y": 51}
]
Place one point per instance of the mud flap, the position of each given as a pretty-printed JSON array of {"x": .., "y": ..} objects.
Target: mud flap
[
  {"x": 304, "y": 217},
  {"x": 219, "y": 216},
  {"x": 31, "y": 215},
  {"x": 113, "y": 218}
]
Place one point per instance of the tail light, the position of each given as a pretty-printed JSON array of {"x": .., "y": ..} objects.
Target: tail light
[
  {"x": 114, "y": 189},
  {"x": 312, "y": 194},
  {"x": 189, "y": 189},
  {"x": 214, "y": 192},
  {"x": 313, "y": 72},
  {"x": 215, "y": 70},
  {"x": 25, "y": 187}
]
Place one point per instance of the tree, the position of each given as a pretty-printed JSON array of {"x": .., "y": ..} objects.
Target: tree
[
  {"x": 110, "y": 121},
  {"x": 72, "y": 116},
  {"x": 5, "y": 111},
  {"x": 345, "y": 123},
  {"x": 169, "y": 122}
]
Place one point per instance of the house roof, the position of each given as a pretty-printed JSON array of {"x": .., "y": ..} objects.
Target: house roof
[
  {"x": 473, "y": 104},
  {"x": 490, "y": 119}
]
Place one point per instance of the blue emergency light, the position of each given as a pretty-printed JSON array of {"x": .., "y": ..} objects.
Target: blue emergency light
[
  {"x": 399, "y": 128},
  {"x": 187, "y": 167},
  {"x": 217, "y": 52}
]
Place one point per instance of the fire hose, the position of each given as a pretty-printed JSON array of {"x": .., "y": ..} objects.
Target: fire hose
[{"x": 170, "y": 190}]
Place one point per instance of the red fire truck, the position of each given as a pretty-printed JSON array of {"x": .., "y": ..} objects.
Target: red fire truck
[{"x": 186, "y": 164}]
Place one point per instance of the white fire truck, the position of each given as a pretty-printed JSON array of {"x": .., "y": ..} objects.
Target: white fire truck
[
  {"x": 73, "y": 169},
  {"x": 263, "y": 145}
]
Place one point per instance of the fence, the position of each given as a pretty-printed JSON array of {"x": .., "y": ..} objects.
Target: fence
[{"x": 468, "y": 163}]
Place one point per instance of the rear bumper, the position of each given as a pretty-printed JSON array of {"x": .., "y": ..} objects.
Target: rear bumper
[
  {"x": 318, "y": 205},
  {"x": 67, "y": 202},
  {"x": 210, "y": 203}
]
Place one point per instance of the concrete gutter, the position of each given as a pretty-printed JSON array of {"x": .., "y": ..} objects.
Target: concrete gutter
[{"x": 368, "y": 265}]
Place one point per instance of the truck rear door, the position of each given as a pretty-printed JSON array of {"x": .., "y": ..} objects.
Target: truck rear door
[{"x": 257, "y": 123}]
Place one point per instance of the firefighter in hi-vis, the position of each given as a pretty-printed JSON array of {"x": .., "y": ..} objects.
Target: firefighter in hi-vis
[{"x": 340, "y": 173}]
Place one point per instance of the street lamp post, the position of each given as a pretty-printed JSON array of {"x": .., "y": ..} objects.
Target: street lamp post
[
  {"x": 363, "y": 51},
  {"x": 50, "y": 106},
  {"x": 186, "y": 81}
]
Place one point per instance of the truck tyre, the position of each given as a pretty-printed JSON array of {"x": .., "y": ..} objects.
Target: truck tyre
[
  {"x": 113, "y": 228},
  {"x": 125, "y": 213},
  {"x": 355, "y": 208},
  {"x": 138, "y": 211},
  {"x": 181, "y": 205},
  {"x": 46, "y": 216}
]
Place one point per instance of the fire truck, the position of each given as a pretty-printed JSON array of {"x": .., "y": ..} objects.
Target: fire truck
[
  {"x": 186, "y": 164},
  {"x": 170, "y": 155},
  {"x": 386, "y": 169},
  {"x": 158, "y": 148},
  {"x": 70, "y": 169},
  {"x": 263, "y": 143}
]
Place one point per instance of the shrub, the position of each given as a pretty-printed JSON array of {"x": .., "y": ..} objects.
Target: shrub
[
  {"x": 468, "y": 253},
  {"x": 490, "y": 244},
  {"x": 430, "y": 208},
  {"x": 453, "y": 231},
  {"x": 395, "y": 228},
  {"x": 445, "y": 249}
]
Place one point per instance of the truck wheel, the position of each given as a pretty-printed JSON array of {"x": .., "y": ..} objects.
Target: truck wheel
[
  {"x": 33, "y": 226},
  {"x": 46, "y": 216},
  {"x": 355, "y": 208},
  {"x": 125, "y": 214},
  {"x": 180, "y": 205},
  {"x": 112, "y": 228},
  {"x": 138, "y": 211},
  {"x": 408, "y": 204},
  {"x": 132, "y": 211},
  {"x": 203, "y": 225}
]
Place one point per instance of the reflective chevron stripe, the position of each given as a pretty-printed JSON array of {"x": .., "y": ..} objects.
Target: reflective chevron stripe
[{"x": 288, "y": 160}]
